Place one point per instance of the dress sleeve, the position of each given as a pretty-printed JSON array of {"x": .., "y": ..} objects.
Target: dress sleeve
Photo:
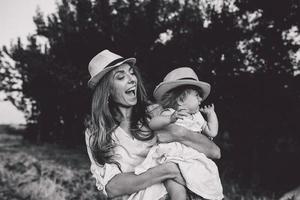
[{"x": 102, "y": 173}]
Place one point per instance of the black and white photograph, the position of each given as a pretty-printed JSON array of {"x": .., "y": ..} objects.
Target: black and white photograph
[{"x": 149, "y": 99}]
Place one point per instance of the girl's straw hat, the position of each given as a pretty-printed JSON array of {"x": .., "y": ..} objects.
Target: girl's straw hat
[
  {"x": 179, "y": 77},
  {"x": 104, "y": 62}
]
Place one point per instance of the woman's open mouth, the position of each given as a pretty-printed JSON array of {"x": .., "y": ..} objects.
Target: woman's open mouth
[{"x": 131, "y": 91}]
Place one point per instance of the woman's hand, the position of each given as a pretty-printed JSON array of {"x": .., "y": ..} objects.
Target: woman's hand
[
  {"x": 175, "y": 171},
  {"x": 179, "y": 114},
  {"x": 292, "y": 195},
  {"x": 171, "y": 133}
]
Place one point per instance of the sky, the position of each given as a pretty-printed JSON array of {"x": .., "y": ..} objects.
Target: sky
[
  {"x": 10, "y": 115},
  {"x": 16, "y": 20},
  {"x": 16, "y": 17}
]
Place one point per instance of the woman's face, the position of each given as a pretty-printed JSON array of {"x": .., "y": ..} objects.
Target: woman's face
[{"x": 124, "y": 86}]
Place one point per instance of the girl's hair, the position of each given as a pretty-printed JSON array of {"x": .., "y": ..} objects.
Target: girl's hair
[
  {"x": 106, "y": 117},
  {"x": 170, "y": 99}
]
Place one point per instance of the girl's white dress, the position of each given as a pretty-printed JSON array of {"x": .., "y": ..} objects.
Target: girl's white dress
[
  {"x": 200, "y": 173},
  {"x": 130, "y": 153}
]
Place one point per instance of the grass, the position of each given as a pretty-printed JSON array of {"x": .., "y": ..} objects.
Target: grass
[
  {"x": 47, "y": 172},
  {"x": 52, "y": 172}
]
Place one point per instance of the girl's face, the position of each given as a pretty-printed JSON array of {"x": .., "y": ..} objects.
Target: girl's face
[
  {"x": 124, "y": 86},
  {"x": 191, "y": 102}
]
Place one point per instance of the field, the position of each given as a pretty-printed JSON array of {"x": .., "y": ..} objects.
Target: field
[{"x": 52, "y": 172}]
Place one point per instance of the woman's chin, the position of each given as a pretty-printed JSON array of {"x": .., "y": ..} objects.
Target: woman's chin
[{"x": 128, "y": 104}]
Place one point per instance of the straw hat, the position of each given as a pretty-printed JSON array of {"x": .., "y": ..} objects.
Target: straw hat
[
  {"x": 179, "y": 77},
  {"x": 104, "y": 62}
]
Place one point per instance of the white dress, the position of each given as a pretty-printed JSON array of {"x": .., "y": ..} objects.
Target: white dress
[
  {"x": 129, "y": 152},
  {"x": 200, "y": 173}
]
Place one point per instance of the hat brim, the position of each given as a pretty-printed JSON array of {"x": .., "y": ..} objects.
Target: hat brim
[
  {"x": 164, "y": 87},
  {"x": 95, "y": 79}
]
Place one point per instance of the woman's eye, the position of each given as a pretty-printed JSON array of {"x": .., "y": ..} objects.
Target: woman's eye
[{"x": 120, "y": 77}]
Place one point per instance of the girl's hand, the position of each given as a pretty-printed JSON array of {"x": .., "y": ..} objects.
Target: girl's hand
[
  {"x": 208, "y": 109},
  {"x": 178, "y": 114}
]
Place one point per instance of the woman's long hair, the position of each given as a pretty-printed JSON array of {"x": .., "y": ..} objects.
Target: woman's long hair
[{"x": 105, "y": 118}]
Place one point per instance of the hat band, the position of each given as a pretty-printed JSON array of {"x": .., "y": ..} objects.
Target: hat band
[
  {"x": 112, "y": 63},
  {"x": 188, "y": 79}
]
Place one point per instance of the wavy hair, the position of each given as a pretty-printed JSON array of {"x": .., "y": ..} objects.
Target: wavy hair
[
  {"x": 170, "y": 99},
  {"x": 105, "y": 119}
]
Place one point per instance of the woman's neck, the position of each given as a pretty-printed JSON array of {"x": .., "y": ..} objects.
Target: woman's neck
[
  {"x": 126, "y": 117},
  {"x": 125, "y": 113}
]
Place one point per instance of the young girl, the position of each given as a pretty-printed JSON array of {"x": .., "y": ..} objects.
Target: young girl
[{"x": 180, "y": 94}]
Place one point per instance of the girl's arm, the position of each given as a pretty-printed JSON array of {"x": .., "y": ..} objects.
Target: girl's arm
[
  {"x": 128, "y": 183},
  {"x": 212, "y": 126},
  {"x": 199, "y": 142}
]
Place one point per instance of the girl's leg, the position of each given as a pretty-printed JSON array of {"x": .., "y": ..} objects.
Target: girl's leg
[
  {"x": 193, "y": 196},
  {"x": 175, "y": 190}
]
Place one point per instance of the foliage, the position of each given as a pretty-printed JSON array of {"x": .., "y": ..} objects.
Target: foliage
[{"x": 27, "y": 174}]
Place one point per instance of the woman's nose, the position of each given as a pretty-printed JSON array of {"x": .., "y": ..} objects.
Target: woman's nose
[{"x": 130, "y": 78}]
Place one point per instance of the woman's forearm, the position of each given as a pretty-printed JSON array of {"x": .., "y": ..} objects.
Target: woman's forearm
[
  {"x": 159, "y": 122},
  {"x": 199, "y": 142},
  {"x": 202, "y": 144},
  {"x": 128, "y": 183}
]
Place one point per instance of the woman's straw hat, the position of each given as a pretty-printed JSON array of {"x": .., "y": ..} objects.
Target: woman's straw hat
[
  {"x": 179, "y": 77},
  {"x": 104, "y": 62}
]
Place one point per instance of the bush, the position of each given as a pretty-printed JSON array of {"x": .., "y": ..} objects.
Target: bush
[{"x": 28, "y": 178}]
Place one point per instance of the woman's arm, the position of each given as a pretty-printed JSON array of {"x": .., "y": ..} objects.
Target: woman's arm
[
  {"x": 159, "y": 122},
  {"x": 167, "y": 117},
  {"x": 175, "y": 133},
  {"x": 128, "y": 183}
]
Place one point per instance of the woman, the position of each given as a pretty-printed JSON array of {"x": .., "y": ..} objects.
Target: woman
[{"x": 119, "y": 139}]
